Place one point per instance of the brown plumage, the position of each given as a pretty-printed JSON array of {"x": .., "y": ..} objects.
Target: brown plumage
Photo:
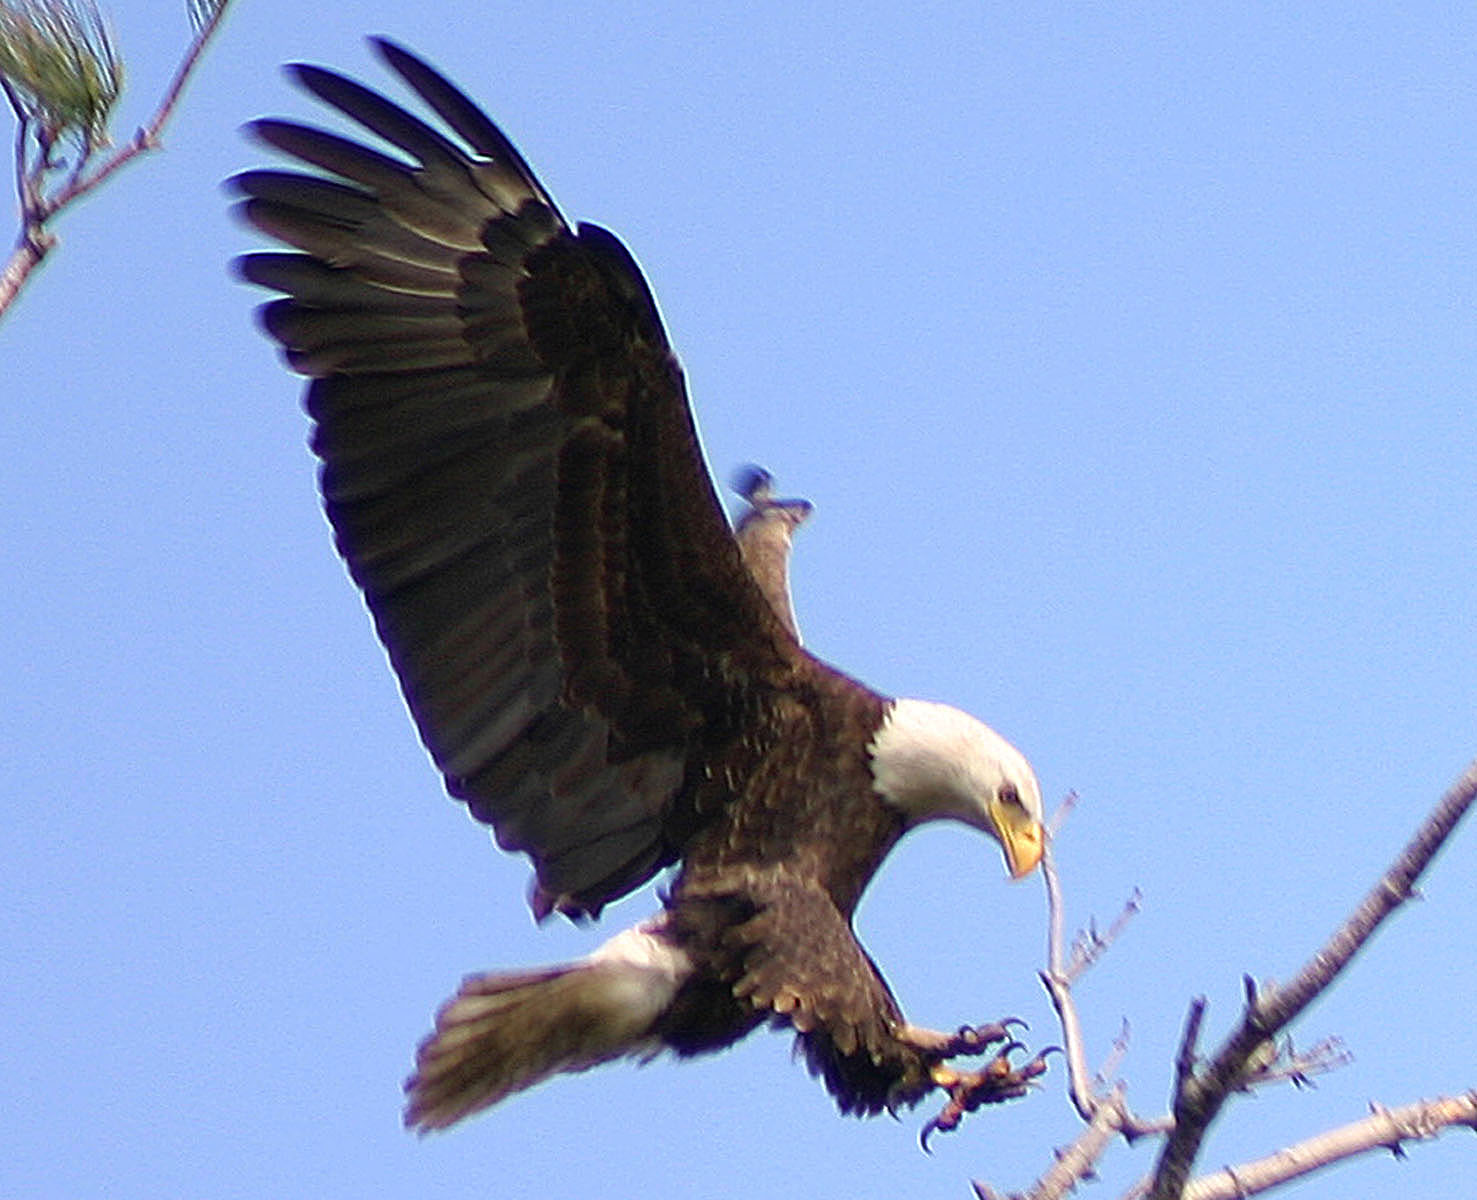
[{"x": 513, "y": 477}]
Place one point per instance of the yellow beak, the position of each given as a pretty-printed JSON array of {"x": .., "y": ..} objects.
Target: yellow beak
[{"x": 1021, "y": 836}]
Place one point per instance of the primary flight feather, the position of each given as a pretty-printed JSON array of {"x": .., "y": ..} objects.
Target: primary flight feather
[{"x": 602, "y": 672}]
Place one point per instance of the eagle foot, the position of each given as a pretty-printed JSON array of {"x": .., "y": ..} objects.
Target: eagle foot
[{"x": 1000, "y": 1080}]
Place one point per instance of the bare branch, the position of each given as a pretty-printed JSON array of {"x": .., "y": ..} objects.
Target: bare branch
[
  {"x": 34, "y": 241},
  {"x": 1059, "y": 987},
  {"x": 147, "y": 138},
  {"x": 1199, "y": 1095},
  {"x": 1089, "y": 945},
  {"x": 1116, "y": 1054},
  {"x": 1385, "y": 1128},
  {"x": 1079, "y": 1160},
  {"x": 1058, "y": 979},
  {"x": 1059, "y": 818},
  {"x": 1300, "y": 1067}
]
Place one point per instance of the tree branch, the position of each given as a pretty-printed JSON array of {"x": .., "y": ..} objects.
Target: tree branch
[
  {"x": 37, "y": 208},
  {"x": 1199, "y": 1095},
  {"x": 1385, "y": 1128},
  {"x": 147, "y": 137},
  {"x": 1059, "y": 987},
  {"x": 1079, "y": 1160}
]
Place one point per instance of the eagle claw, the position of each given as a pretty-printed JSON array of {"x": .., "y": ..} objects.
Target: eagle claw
[
  {"x": 1000, "y": 1080},
  {"x": 967, "y": 1039},
  {"x": 976, "y": 1039}
]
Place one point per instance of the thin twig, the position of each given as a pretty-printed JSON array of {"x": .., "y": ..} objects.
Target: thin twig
[
  {"x": 1116, "y": 1054},
  {"x": 1057, "y": 980},
  {"x": 1089, "y": 946},
  {"x": 1058, "y": 987},
  {"x": 1200, "y": 1095},
  {"x": 1059, "y": 818},
  {"x": 1301, "y": 1067}
]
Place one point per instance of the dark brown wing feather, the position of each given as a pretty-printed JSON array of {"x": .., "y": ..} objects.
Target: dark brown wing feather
[
  {"x": 512, "y": 473},
  {"x": 786, "y": 952}
]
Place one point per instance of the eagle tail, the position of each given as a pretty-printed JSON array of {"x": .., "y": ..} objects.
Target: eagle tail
[{"x": 506, "y": 1031}]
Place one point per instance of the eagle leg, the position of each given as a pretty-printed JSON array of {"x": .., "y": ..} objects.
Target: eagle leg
[{"x": 999, "y": 1081}]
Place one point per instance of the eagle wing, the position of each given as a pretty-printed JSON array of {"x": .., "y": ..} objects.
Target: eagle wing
[{"x": 514, "y": 479}]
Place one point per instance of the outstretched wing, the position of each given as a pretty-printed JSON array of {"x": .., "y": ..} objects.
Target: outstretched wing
[{"x": 512, "y": 472}]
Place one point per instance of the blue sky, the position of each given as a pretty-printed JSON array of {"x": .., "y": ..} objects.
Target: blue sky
[{"x": 1127, "y": 352}]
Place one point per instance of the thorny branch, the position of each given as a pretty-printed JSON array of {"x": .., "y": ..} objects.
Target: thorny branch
[
  {"x": 36, "y": 142},
  {"x": 1253, "y": 1056}
]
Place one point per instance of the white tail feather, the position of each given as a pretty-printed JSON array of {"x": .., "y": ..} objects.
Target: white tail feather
[{"x": 507, "y": 1031}]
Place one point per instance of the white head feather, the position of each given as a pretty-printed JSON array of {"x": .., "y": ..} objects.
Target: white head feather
[{"x": 933, "y": 762}]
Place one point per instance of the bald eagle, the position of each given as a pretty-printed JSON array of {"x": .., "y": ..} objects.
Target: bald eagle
[{"x": 602, "y": 670}]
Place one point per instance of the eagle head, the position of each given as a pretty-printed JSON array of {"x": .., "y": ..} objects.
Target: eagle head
[{"x": 933, "y": 762}]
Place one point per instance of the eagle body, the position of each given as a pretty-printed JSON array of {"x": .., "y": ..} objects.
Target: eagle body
[{"x": 605, "y": 673}]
